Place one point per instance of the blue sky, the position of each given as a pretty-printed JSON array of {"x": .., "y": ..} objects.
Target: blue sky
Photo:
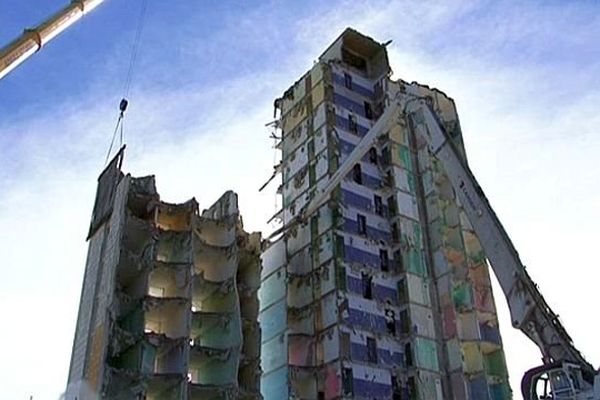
[{"x": 525, "y": 77}]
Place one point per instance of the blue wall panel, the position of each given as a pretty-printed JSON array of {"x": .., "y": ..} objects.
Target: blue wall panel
[
  {"x": 273, "y": 320},
  {"x": 274, "y": 386},
  {"x": 363, "y": 91}
]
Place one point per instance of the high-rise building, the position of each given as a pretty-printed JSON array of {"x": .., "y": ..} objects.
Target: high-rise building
[
  {"x": 169, "y": 301},
  {"x": 384, "y": 293}
]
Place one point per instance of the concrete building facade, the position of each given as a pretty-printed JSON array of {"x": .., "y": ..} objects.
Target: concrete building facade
[
  {"x": 385, "y": 292},
  {"x": 169, "y": 301}
]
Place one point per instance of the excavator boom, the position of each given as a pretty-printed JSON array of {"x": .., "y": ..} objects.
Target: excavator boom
[
  {"x": 32, "y": 40},
  {"x": 529, "y": 311}
]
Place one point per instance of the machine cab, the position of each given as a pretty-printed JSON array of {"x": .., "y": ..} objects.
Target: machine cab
[{"x": 555, "y": 382}]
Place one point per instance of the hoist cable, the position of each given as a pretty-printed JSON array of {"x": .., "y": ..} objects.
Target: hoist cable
[
  {"x": 136, "y": 46},
  {"x": 124, "y": 102},
  {"x": 112, "y": 142}
]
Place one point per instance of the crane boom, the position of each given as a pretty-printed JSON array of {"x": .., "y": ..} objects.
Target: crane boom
[
  {"x": 529, "y": 311},
  {"x": 32, "y": 40}
]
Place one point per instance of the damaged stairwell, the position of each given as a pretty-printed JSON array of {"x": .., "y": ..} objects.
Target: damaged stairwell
[{"x": 173, "y": 298}]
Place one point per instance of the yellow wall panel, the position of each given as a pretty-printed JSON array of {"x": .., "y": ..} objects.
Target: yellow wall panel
[{"x": 473, "y": 361}]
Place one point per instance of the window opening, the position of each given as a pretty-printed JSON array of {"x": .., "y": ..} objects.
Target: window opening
[
  {"x": 391, "y": 201},
  {"x": 348, "y": 80},
  {"x": 408, "y": 355},
  {"x": 362, "y": 224},
  {"x": 372, "y": 350},
  {"x": 357, "y": 174},
  {"x": 398, "y": 263},
  {"x": 412, "y": 388},
  {"x": 352, "y": 124},
  {"x": 404, "y": 322},
  {"x": 390, "y": 321},
  {"x": 373, "y": 155},
  {"x": 385, "y": 156},
  {"x": 378, "y": 205},
  {"x": 339, "y": 246},
  {"x": 395, "y": 232},
  {"x": 347, "y": 381},
  {"x": 396, "y": 389},
  {"x": 367, "y": 285},
  {"x": 368, "y": 110},
  {"x": 384, "y": 260},
  {"x": 402, "y": 292}
]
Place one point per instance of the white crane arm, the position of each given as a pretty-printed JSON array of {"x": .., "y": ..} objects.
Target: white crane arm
[{"x": 32, "y": 40}]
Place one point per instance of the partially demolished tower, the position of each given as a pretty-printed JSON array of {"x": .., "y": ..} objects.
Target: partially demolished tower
[
  {"x": 385, "y": 292},
  {"x": 169, "y": 301}
]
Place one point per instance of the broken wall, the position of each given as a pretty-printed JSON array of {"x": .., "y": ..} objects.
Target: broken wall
[{"x": 173, "y": 300}]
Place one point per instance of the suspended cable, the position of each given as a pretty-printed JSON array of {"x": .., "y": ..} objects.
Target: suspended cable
[
  {"x": 112, "y": 142},
  {"x": 124, "y": 102},
  {"x": 135, "y": 47},
  {"x": 120, "y": 124}
]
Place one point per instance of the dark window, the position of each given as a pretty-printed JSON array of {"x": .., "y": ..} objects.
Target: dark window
[
  {"x": 384, "y": 260},
  {"x": 398, "y": 264},
  {"x": 371, "y": 350},
  {"x": 367, "y": 285},
  {"x": 395, "y": 232},
  {"x": 368, "y": 110},
  {"x": 341, "y": 276},
  {"x": 378, "y": 205},
  {"x": 347, "y": 381},
  {"x": 408, "y": 355},
  {"x": 404, "y": 322},
  {"x": 390, "y": 321},
  {"x": 402, "y": 292},
  {"x": 357, "y": 174},
  {"x": 391, "y": 203},
  {"x": 389, "y": 180},
  {"x": 412, "y": 388},
  {"x": 352, "y": 125},
  {"x": 339, "y": 246},
  {"x": 347, "y": 80},
  {"x": 312, "y": 174},
  {"x": 396, "y": 389},
  {"x": 386, "y": 156},
  {"x": 373, "y": 155},
  {"x": 362, "y": 224}
]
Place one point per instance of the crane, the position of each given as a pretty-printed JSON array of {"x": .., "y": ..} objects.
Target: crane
[
  {"x": 32, "y": 40},
  {"x": 565, "y": 373}
]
